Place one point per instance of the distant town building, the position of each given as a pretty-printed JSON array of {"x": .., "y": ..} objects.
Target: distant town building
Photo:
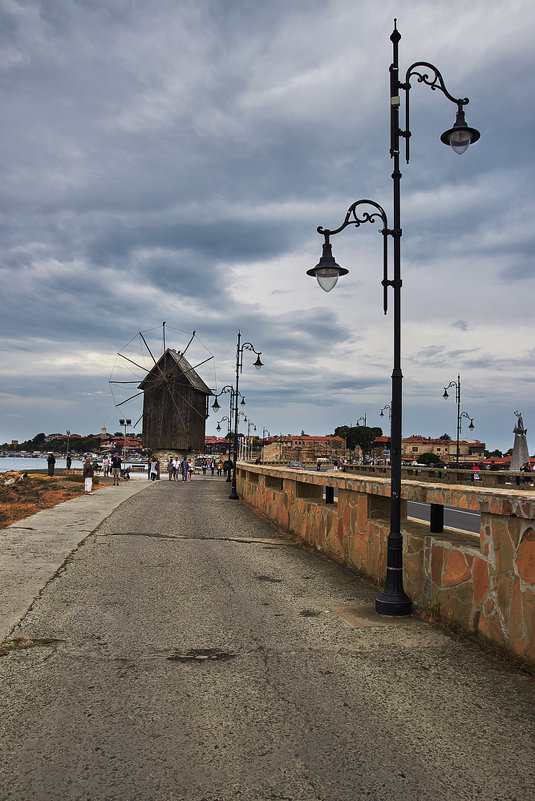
[
  {"x": 469, "y": 449},
  {"x": 216, "y": 445},
  {"x": 303, "y": 448}
]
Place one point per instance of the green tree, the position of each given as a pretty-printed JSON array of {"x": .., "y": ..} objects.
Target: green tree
[
  {"x": 496, "y": 452},
  {"x": 429, "y": 458},
  {"x": 364, "y": 436},
  {"x": 446, "y": 437}
]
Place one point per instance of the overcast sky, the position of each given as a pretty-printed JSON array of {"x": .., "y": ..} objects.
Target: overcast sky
[{"x": 172, "y": 161}]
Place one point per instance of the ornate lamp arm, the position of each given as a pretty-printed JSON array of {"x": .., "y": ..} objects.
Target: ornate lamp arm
[
  {"x": 249, "y": 346},
  {"x": 353, "y": 218},
  {"x": 421, "y": 70}
]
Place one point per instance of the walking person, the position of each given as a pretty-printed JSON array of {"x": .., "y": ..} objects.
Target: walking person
[
  {"x": 68, "y": 462},
  {"x": 51, "y": 461},
  {"x": 116, "y": 468},
  {"x": 88, "y": 473},
  {"x": 106, "y": 466},
  {"x": 170, "y": 469},
  {"x": 153, "y": 469},
  {"x": 219, "y": 467},
  {"x": 184, "y": 467},
  {"x": 190, "y": 469},
  {"x": 212, "y": 467}
]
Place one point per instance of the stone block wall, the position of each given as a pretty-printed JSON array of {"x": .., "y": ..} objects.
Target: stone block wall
[{"x": 484, "y": 584}]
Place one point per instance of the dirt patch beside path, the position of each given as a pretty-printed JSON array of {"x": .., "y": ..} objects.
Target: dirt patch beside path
[{"x": 36, "y": 492}]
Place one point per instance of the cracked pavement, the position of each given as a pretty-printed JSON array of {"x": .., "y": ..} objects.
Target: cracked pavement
[{"x": 187, "y": 652}]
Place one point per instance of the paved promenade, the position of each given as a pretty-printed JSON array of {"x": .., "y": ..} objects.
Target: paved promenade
[{"x": 166, "y": 644}]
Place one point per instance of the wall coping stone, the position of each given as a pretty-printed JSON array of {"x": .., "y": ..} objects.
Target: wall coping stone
[{"x": 509, "y": 502}]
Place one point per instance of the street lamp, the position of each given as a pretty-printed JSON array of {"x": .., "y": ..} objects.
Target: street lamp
[
  {"x": 228, "y": 388},
  {"x": 68, "y": 440},
  {"x": 460, "y": 415},
  {"x": 125, "y": 423},
  {"x": 215, "y": 406},
  {"x": 382, "y": 411},
  {"x": 362, "y": 418},
  {"x": 249, "y": 445},
  {"x": 218, "y": 428},
  {"x": 239, "y": 369},
  {"x": 393, "y": 600},
  {"x": 241, "y": 442},
  {"x": 264, "y": 432}
]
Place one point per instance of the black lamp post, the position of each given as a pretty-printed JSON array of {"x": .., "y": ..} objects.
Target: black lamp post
[
  {"x": 363, "y": 417},
  {"x": 218, "y": 428},
  {"x": 393, "y": 600},
  {"x": 264, "y": 432},
  {"x": 215, "y": 406},
  {"x": 125, "y": 423},
  {"x": 249, "y": 446},
  {"x": 460, "y": 415},
  {"x": 239, "y": 368}
]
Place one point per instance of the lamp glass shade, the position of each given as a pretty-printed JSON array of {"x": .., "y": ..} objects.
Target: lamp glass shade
[
  {"x": 327, "y": 271},
  {"x": 461, "y": 135},
  {"x": 259, "y": 363},
  {"x": 327, "y": 278},
  {"x": 215, "y": 405},
  {"x": 459, "y": 140}
]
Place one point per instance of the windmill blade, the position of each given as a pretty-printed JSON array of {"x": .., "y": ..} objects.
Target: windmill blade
[
  {"x": 187, "y": 401},
  {"x": 129, "y": 399},
  {"x": 189, "y": 343},
  {"x": 133, "y": 362},
  {"x": 112, "y": 381},
  {"x": 197, "y": 365},
  {"x": 149, "y": 350}
]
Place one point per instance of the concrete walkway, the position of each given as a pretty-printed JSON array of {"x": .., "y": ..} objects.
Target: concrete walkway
[
  {"x": 33, "y": 550},
  {"x": 186, "y": 651}
]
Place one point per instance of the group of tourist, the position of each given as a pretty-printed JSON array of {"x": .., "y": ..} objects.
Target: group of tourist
[
  {"x": 88, "y": 471},
  {"x": 176, "y": 467},
  {"x": 185, "y": 468}
]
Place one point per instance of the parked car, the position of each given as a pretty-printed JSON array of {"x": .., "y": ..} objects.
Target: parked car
[{"x": 296, "y": 466}]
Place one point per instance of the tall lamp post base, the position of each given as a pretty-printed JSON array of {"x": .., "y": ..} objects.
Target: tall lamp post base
[
  {"x": 393, "y": 600},
  {"x": 393, "y": 604}
]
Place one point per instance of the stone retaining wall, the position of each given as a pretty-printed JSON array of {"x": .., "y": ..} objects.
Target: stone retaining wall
[{"x": 485, "y": 584}]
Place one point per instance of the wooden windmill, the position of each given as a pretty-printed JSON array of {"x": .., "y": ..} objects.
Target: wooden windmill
[
  {"x": 174, "y": 396},
  {"x": 175, "y": 405}
]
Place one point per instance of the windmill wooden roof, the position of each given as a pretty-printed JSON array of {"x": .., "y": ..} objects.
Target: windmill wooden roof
[{"x": 180, "y": 364}]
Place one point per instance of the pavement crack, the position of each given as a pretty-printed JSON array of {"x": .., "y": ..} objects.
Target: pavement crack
[
  {"x": 23, "y": 643},
  {"x": 273, "y": 543}
]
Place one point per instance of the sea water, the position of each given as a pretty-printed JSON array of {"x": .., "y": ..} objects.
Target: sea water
[
  {"x": 17, "y": 463},
  {"x": 30, "y": 465}
]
